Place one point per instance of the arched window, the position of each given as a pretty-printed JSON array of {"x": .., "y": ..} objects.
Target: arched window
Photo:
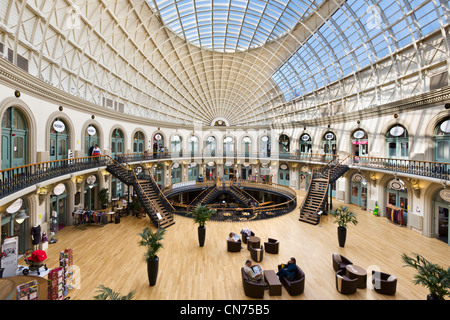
[
  {"x": 158, "y": 145},
  {"x": 397, "y": 142},
  {"x": 175, "y": 146},
  {"x": 59, "y": 140},
  {"x": 176, "y": 173},
  {"x": 14, "y": 139},
  {"x": 442, "y": 141},
  {"x": 138, "y": 142}
]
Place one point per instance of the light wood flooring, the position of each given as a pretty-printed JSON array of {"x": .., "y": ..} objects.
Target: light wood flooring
[{"x": 110, "y": 256}]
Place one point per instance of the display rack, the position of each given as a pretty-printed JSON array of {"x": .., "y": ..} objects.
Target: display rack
[
  {"x": 28, "y": 291},
  {"x": 395, "y": 214},
  {"x": 66, "y": 263},
  {"x": 55, "y": 284}
]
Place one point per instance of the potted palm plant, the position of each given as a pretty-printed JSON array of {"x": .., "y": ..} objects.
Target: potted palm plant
[
  {"x": 153, "y": 243},
  {"x": 343, "y": 217},
  {"x": 106, "y": 293},
  {"x": 103, "y": 196},
  {"x": 430, "y": 275},
  {"x": 201, "y": 214}
]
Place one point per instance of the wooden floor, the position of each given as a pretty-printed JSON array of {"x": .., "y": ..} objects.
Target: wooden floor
[{"x": 110, "y": 256}]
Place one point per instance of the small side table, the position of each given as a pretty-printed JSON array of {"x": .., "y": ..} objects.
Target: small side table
[
  {"x": 273, "y": 282},
  {"x": 110, "y": 216},
  {"x": 356, "y": 272},
  {"x": 254, "y": 242}
]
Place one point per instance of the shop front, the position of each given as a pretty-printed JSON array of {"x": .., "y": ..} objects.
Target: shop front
[
  {"x": 440, "y": 224},
  {"x": 359, "y": 190},
  {"x": 59, "y": 217},
  {"x": 283, "y": 175},
  {"x": 397, "y": 202},
  {"x": 15, "y": 222}
]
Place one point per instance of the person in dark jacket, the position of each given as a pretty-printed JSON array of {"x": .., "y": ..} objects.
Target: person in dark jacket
[{"x": 288, "y": 270}]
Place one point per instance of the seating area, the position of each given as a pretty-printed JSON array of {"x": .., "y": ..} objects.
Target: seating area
[{"x": 350, "y": 277}]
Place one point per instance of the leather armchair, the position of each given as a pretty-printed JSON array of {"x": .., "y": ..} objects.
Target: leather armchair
[
  {"x": 344, "y": 284},
  {"x": 297, "y": 285},
  {"x": 252, "y": 289},
  {"x": 234, "y": 246},
  {"x": 272, "y": 246},
  {"x": 244, "y": 236},
  {"x": 384, "y": 283},
  {"x": 257, "y": 254},
  {"x": 340, "y": 262}
]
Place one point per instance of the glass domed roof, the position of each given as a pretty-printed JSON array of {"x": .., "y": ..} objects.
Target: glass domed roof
[{"x": 232, "y": 25}]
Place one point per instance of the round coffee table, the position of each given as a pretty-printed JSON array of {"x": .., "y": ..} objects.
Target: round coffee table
[
  {"x": 356, "y": 272},
  {"x": 254, "y": 242}
]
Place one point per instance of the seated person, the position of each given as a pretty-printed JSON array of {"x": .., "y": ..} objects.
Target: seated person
[
  {"x": 254, "y": 273},
  {"x": 234, "y": 237},
  {"x": 288, "y": 270}
]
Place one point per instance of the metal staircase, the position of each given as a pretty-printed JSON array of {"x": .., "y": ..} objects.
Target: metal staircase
[
  {"x": 314, "y": 203},
  {"x": 155, "y": 204}
]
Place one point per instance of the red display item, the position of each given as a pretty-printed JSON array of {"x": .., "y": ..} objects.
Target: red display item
[{"x": 38, "y": 256}]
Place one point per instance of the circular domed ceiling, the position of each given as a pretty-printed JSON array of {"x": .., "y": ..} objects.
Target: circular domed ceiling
[{"x": 232, "y": 25}]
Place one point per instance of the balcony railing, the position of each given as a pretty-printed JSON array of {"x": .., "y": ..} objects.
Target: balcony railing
[{"x": 15, "y": 179}]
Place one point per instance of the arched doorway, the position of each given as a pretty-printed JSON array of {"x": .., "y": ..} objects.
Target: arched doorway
[
  {"x": 193, "y": 146},
  {"x": 175, "y": 146},
  {"x": 117, "y": 146},
  {"x": 228, "y": 147},
  {"x": 305, "y": 145},
  {"x": 59, "y": 208},
  {"x": 359, "y": 190},
  {"x": 264, "y": 147},
  {"x": 284, "y": 144},
  {"x": 246, "y": 146},
  {"x": 14, "y": 139},
  {"x": 397, "y": 142},
  {"x": 440, "y": 226},
  {"x": 210, "y": 146},
  {"x": 360, "y": 147},
  {"x": 193, "y": 171},
  {"x": 283, "y": 174},
  {"x": 158, "y": 174},
  {"x": 158, "y": 145},
  {"x": 211, "y": 170},
  {"x": 59, "y": 140},
  {"x": 139, "y": 142},
  {"x": 329, "y": 144},
  {"x": 175, "y": 173},
  {"x": 441, "y": 139},
  {"x": 11, "y": 226},
  {"x": 397, "y": 202},
  {"x": 90, "y": 140}
]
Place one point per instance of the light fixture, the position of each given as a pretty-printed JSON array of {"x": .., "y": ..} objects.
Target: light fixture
[{"x": 20, "y": 218}]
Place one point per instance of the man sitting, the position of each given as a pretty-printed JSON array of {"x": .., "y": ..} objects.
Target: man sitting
[
  {"x": 254, "y": 273},
  {"x": 288, "y": 271}
]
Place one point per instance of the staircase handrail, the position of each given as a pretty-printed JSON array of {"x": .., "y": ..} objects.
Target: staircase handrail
[{"x": 161, "y": 194}]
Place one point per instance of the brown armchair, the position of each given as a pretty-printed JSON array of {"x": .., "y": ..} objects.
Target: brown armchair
[
  {"x": 252, "y": 289},
  {"x": 272, "y": 246},
  {"x": 257, "y": 254},
  {"x": 234, "y": 246},
  {"x": 384, "y": 283},
  {"x": 340, "y": 262},
  {"x": 297, "y": 285},
  {"x": 344, "y": 284},
  {"x": 245, "y": 236}
]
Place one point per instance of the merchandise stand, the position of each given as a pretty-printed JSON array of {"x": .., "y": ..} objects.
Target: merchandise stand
[
  {"x": 395, "y": 214},
  {"x": 83, "y": 218},
  {"x": 60, "y": 279}
]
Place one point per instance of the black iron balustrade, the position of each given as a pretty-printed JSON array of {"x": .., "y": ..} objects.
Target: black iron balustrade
[{"x": 16, "y": 179}]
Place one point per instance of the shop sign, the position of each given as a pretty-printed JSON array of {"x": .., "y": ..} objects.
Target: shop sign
[
  {"x": 158, "y": 137},
  {"x": 359, "y": 134},
  {"x": 15, "y": 206},
  {"x": 283, "y": 167},
  {"x": 91, "y": 180},
  {"x": 305, "y": 137},
  {"x": 228, "y": 164},
  {"x": 193, "y": 164},
  {"x": 329, "y": 136},
  {"x": 357, "y": 177},
  {"x": 445, "y": 126},
  {"x": 59, "y": 189},
  {"x": 175, "y": 165},
  {"x": 396, "y": 131},
  {"x": 445, "y": 194},
  {"x": 397, "y": 185},
  {"x": 59, "y": 126},
  {"x": 91, "y": 131},
  {"x": 211, "y": 164},
  {"x": 265, "y": 138}
]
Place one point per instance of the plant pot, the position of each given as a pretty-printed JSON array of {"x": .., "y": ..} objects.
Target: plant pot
[
  {"x": 342, "y": 235},
  {"x": 1, "y": 272},
  {"x": 432, "y": 296},
  {"x": 201, "y": 236},
  {"x": 152, "y": 270}
]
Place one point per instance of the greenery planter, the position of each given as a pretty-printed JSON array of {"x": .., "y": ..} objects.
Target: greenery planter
[
  {"x": 201, "y": 236},
  {"x": 342, "y": 235},
  {"x": 152, "y": 270}
]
